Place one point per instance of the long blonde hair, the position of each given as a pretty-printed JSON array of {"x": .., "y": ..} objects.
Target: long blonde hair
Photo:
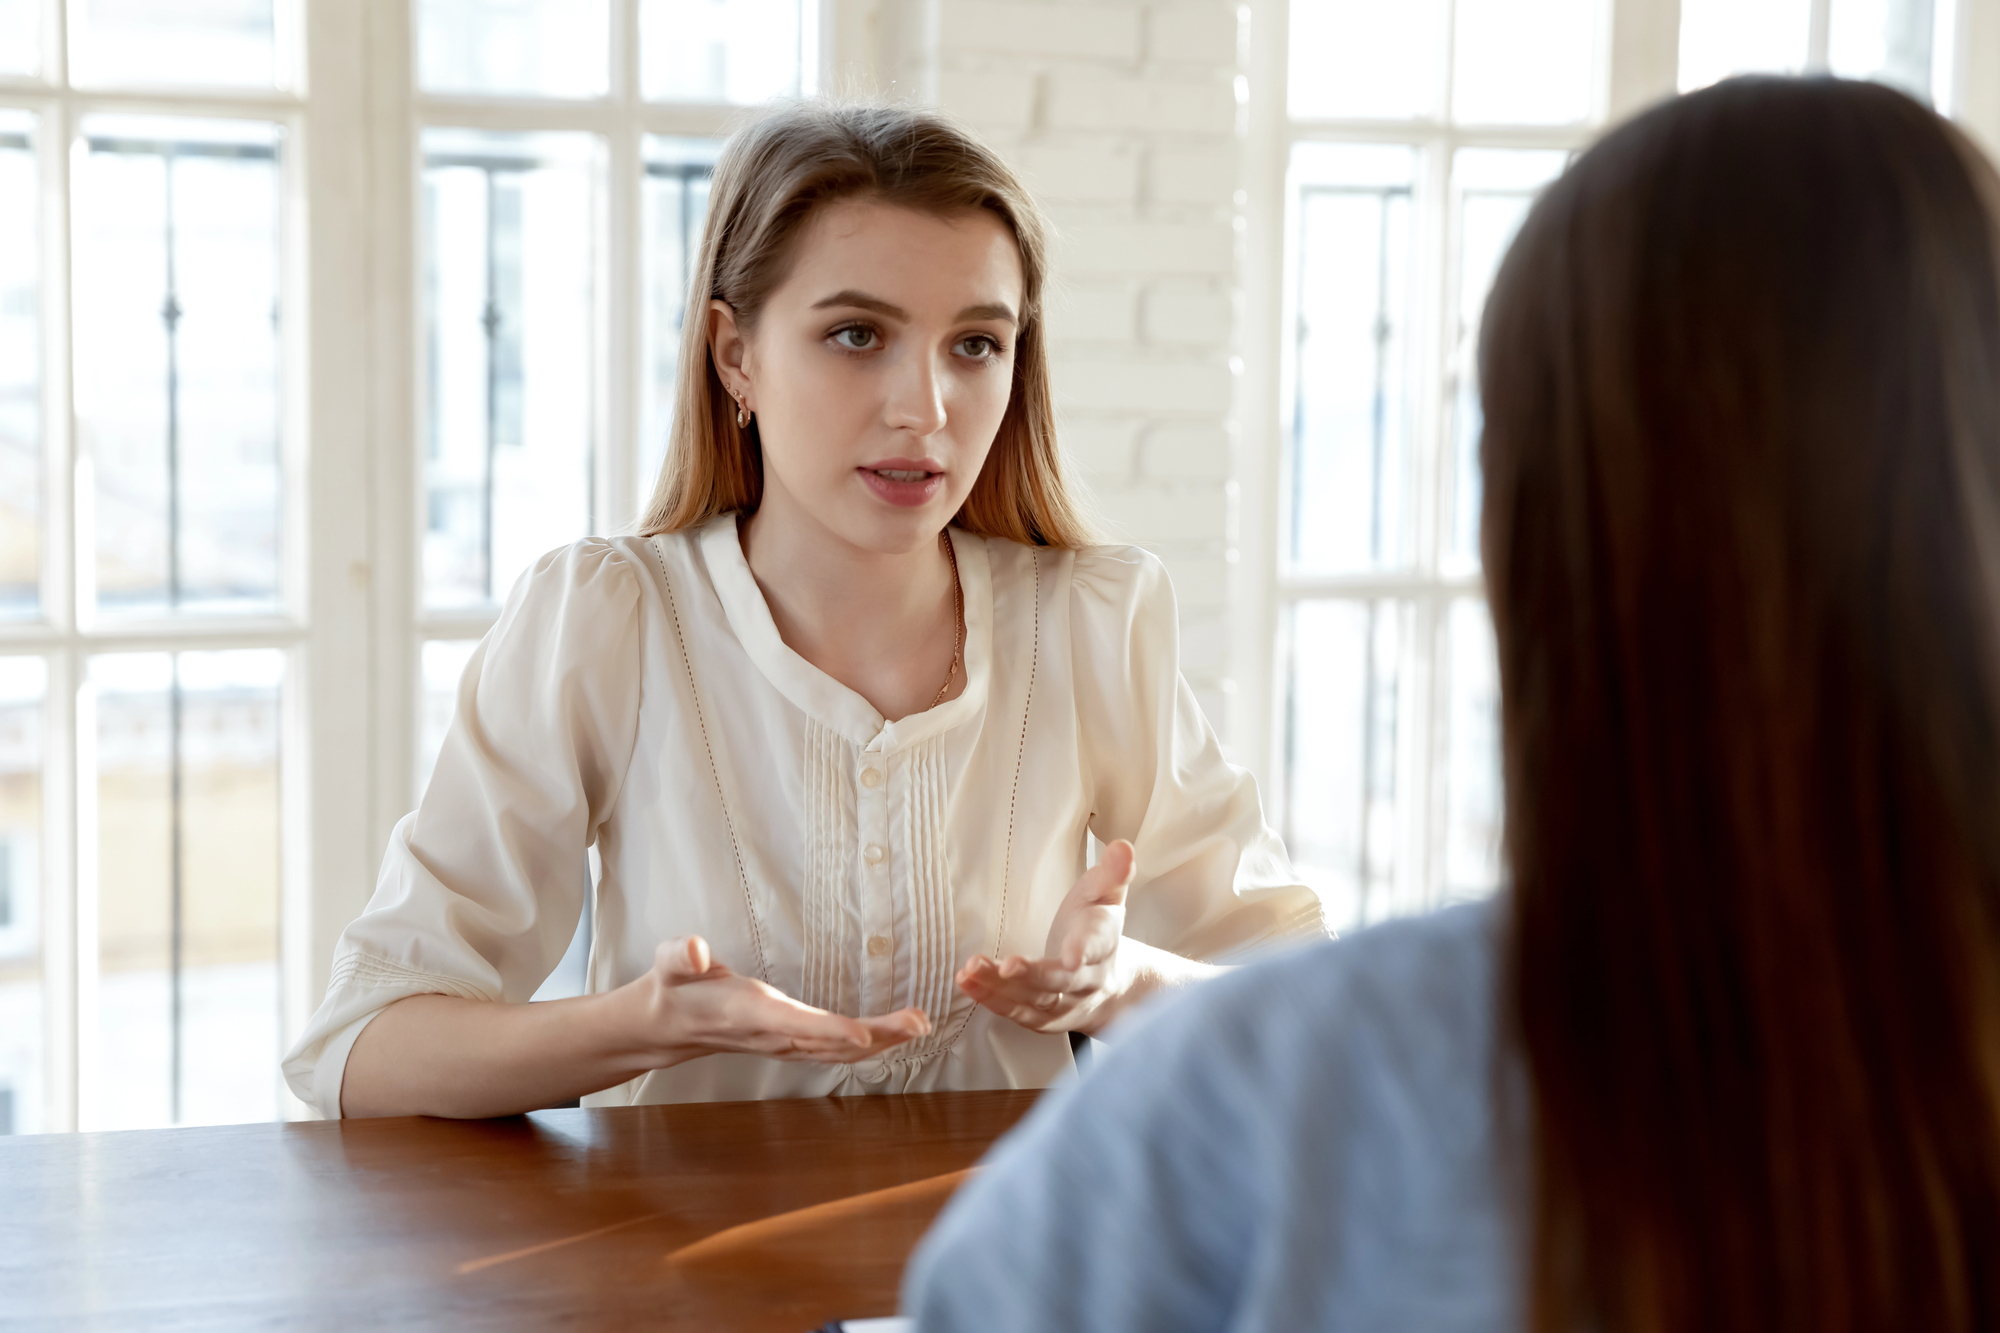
[{"x": 770, "y": 178}]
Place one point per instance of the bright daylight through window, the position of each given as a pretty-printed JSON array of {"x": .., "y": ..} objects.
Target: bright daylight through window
[
  {"x": 151, "y": 582},
  {"x": 1419, "y": 134}
]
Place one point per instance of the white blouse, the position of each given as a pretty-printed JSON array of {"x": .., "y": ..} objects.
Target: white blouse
[{"x": 635, "y": 694}]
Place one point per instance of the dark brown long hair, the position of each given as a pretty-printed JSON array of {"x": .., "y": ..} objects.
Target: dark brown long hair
[{"x": 1741, "y": 374}]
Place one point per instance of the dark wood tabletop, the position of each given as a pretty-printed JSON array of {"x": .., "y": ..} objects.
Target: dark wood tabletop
[{"x": 746, "y": 1216}]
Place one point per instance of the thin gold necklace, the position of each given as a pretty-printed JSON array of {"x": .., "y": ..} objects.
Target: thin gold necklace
[{"x": 958, "y": 615}]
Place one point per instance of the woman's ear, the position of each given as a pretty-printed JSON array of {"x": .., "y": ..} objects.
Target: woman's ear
[{"x": 730, "y": 349}]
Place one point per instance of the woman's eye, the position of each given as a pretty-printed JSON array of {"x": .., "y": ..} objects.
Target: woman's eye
[
  {"x": 979, "y": 347},
  {"x": 856, "y": 338}
]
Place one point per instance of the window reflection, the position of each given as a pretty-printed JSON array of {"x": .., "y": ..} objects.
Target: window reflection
[
  {"x": 1341, "y": 762},
  {"x": 23, "y": 1067},
  {"x": 187, "y": 889},
  {"x": 537, "y": 48},
  {"x": 176, "y": 285},
  {"x": 736, "y": 51},
  {"x": 675, "y": 203},
  {"x": 212, "y": 43},
  {"x": 510, "y": 225},
  {"x": 1351, "y": 417},
  {"x": 20, "y": 376},
  {"x": 20, "y": 37}
]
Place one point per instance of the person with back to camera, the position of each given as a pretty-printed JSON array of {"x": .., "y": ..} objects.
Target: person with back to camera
[
  {"x": 1724, "y": 1057},
  {"x": 840, "y": 719}
]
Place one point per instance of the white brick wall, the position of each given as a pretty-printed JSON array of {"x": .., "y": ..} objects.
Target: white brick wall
[{"x": 1123, "y": 117}]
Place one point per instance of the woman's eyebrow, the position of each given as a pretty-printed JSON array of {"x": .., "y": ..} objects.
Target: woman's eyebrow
[
  {"x": 998, "y": 310},
  {"x": 865, "y": 302}
]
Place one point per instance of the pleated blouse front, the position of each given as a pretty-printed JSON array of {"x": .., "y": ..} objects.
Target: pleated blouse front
[{"x": 635, "y": 695}]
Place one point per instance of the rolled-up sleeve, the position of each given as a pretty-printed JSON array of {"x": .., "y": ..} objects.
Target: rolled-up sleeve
[
  {"x": 482, "y": 885},
  {"x": 1213, "y": 879}
]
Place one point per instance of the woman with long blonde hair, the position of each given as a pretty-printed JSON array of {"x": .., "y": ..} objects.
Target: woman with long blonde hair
[{"x": 840, "y": 718}]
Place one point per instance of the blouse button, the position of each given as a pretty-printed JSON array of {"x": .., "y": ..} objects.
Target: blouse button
[
  {"x": 873, "y": 854},
  {"x": 877, "y": 946},
  {"x": 871, "y": 778}
]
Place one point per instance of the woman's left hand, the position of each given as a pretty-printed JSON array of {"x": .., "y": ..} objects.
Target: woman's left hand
[{"x": 1077, "y": 986}]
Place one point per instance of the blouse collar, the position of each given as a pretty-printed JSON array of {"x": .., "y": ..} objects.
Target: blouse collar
[{"x": 819, "y": 695}]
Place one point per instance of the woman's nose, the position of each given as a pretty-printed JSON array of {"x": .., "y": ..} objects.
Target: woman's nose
[{"x": 916, "y": 397}]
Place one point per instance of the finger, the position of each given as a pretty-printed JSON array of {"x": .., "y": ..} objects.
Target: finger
[
  {"x": 901, "y": 1025},
  {"x": 1049, "y": 975},
  {"x": 1106, "y": 882},
  {"x": 1092, "y": 937},
  {"x": 685, "y": 959},
  {"x": 765, "y": 1009}
]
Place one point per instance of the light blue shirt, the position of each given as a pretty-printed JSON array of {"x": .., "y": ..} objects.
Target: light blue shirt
[{"x": 1305, "y": 1144}]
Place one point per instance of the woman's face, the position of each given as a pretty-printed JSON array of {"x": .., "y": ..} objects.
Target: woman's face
[{"x": 880, "y": 369}]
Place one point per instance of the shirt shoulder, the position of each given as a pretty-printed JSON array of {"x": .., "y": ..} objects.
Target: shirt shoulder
[
  {"x": 591, "y": 569},
  {"x": 1328, "y": 1109},
  {"x": 1411, "y": 997}
]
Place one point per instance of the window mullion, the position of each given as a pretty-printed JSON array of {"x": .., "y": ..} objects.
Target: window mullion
[
  {"x": 1645, "y": 54},
  {"x": 621, "y": 278},
  {"x": 396, "y": 413},
  {"x": 61, "y": 941},
  {"x": 1256, "y": 722}
]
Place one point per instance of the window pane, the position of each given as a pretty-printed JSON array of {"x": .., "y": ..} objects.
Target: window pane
[
  {"x": 543, "y": 48},
  {"x": 740, "y": 51},
  {"x": 1493, "y": 188},
  {"x": 509, "y": 251},
  {"x": 1889, "y": 41},
  {"x": 1473, "y": 808},
  {"x": 1524, "y": 62},
  {"x": 226, "y": 43},
  {"x": 1365, "y": 58},
  {"x": 444, "y": 663},
  {"x": 1351, "y": 417},
  {"x": 20, "y": 36},
  {"x": 1724, "y": 37},
  {"x": 178, "y": 362},
  {"x": 675, "y": 202},
  {"x": 23, "y": 1094},
  {"x": 20, "y": 372},
  {"x": 1341, "y": 780},
  {"x": 186, "y": 1014}
]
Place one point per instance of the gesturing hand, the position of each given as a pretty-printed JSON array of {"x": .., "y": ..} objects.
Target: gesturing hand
[
  {"x": 699, "y": 1007},
  {"x": 1074, "y": 987}
]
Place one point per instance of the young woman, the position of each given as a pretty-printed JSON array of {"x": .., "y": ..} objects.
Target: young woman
[
  {"x": 840, "y": 720},
  {"x": 1726, "y": 1058}
]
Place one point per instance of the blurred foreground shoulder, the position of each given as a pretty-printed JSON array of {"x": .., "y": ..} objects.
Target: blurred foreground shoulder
[{"x": 1303, "y": 1139}]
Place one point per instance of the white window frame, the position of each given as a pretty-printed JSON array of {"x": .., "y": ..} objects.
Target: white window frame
[
  {"x": 67, "y": 636},
  {"x": 352, "y": 625},
  {"x": 1639, "y": 64}
]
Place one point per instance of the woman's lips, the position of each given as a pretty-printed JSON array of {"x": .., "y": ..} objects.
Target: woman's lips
[{"x": 905, "y": 487}]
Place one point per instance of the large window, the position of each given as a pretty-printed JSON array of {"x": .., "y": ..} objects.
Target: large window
[
  {"x": 562, "y": 195},
  {"x": 151, "y": 624},
  {"x": 222, "y": 667},
  {"x": 1413, "y": 139}
]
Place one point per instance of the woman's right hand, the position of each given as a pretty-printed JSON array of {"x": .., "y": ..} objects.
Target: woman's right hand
[{"x": 695, "y": 1006}]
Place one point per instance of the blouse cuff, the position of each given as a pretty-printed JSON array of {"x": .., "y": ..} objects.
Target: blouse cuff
[
  {"x": 332, "y": 1066},
  {"x": 362, "y": 987}
]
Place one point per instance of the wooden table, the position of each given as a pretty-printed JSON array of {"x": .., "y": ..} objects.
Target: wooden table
[{"x": 743, "y": 1216}]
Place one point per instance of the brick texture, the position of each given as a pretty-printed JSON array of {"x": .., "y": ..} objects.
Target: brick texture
[{"x": 1122, "y": 116}]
